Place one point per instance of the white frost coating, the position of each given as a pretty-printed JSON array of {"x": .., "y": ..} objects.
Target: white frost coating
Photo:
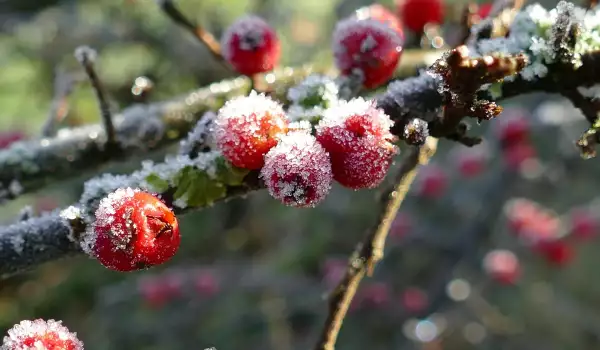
[
  {"x": 315, "y": 85},
  {"x": 298, "y": 171},
  {"x": 85, "y": 53},
  {"x": 38, "y": 328},
  {"x": 403, "y": 92},
  {"x": 339, "y": 113},
  {"x": 298, "y": 113},
  {"x": 301, "y": 125},
  {"x": 251, "y": 31},
  {"x": 15, "y": 188},
  {"x": 531, "y": 33},
  {"x": 200, "y": 135},
  {"x": 18, "y": 243},
  {"x": 67, "y": 215},
  {"x": 166, "y": 171},
  {"x": 592, "y": 92}
]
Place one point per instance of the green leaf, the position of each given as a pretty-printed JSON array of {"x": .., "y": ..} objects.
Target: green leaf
[
  {"x": 158, "y": 184},
  {"x": 183, "y": 181},
  {"x": 229, "y": 174},
  {"x": 204, "y": 191}
]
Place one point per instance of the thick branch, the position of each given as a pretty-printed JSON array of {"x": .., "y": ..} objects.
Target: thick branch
[
  {"x": 142, "y": 127},
  {"x": 370, "y": 251}
]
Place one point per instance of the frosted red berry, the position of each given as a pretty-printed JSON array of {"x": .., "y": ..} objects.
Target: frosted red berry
[
  {"x": 251, "y": 46},
  {"x": 484, "y": 10},
  {"x": 432, "y": 182},
  {"x": 133, "y": 230},
  {"x": 512, "y": 127},
  {"x": 298, "y": 170},
  {"x": 516, "y": 156},
  {"x": 471, "y": 161},
  {"x": 583, "y": 224},
  {"x": 156, "y": 291},
  {"x": 7, "y": 138},
  {"x": 414, "y": 299},
  {"x": 41, "y": 334},
  {"x": 380, "y": 13},
  {"x": 557, "y": 252},
  {"x": 247, "y": 127},
  {"x": 376, "y": 294},
  {"x": 205, "y": 283},
  {"x": 402, "y": 225},
  {"x": 368, "y": 48},
  {"x": 415, "y": 14},
  {"x": 357, "y": 136},
  {"x": 502, "y": 266}
]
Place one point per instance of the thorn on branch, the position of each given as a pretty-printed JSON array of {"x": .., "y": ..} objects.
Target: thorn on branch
[
  {"x": 87, "y": 57},
  {"x": 199, "y": 32}
]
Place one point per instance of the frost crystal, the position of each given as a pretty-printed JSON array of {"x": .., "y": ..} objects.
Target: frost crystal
[
  {"x": 534, "y": 29},
  {"x": 40, "y": 334},
  {"x": 199, "y": 138},
  {"x": 69, "y": 214},
  {"x": 251, "y": 31},
  {"x": 314, "y": 91},
  {"x": 338, "y": 114},
  {"x": 298, "y": 171}
]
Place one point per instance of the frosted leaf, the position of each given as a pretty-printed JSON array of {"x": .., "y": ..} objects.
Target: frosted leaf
[
  {"x": 314, "y": 91},
  {"x": 298, "y": 171},
  {"x": 44, "y": 332},
  {"x": 251, "y": 30}
]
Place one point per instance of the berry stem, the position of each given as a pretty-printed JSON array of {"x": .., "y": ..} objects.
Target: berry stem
[
  {"x": 370, "y": 251},
  {"x": 86, "y": 56},
  {"x": 199, "y": 32}
]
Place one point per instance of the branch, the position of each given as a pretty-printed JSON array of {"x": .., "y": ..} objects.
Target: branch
[
  {"x": 142, "y": 127},
  {"x": 370, "y": 251}
]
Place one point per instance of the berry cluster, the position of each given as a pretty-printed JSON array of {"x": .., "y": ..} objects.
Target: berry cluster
[
  {"x": 352, "y": 145},
  {"x": 132, "y": 230},
  {"x": 502, "y": 266},
  {"x": 41, "y": 334}
]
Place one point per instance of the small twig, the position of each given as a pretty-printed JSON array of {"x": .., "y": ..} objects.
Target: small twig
[
  {"x": 86, "y": 57},
  {"x": 370, "y": 251},
  {"x": 199, "y": 32},
  {"x": 63, "y": 86}
]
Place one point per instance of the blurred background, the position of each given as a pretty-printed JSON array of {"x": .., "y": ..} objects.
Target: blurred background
[{"x": 495, "y": 248}]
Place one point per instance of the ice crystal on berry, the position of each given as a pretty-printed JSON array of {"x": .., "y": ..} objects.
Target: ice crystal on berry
[
  {"x": 251, "y": 46},
  {"x": 298, "y": 170},
  {"x": 357, "y": 136},
  {"x": 41, "y": 334},
  {"x": 132, "y": 230},
  {"x": 247, "y": 127},
  {"x": 367, "y": 46}
]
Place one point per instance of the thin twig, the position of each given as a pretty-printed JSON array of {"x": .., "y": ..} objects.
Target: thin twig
[
  {"x": 198, "y": 31},
  {"x": 63, "y": 86},
  {"x": 370, "y": 251},
  {"x": 86, "y": 57}
]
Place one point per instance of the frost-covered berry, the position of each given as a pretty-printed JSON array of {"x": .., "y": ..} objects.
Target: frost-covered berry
[
  {"x": 502, "y": 266},
  {"x": 512, "y": 127},
  {"x": 41, "y": 334},
  {"x": 415, "y": 14},
  {"x": 583, "y": 223},
  {"x": 298, "y": 171},
  {"x": 357, "y": 136},
  {"x": 7, "y": 138},
  {"x": 416, "y": 132},
  {"x": 132, "y": 230},
  {"x": 247, "y": 127},
  {"x": 484, "y": 10},
  {"x": 251, "y": 46},
  {"x": 414, "y": 299},
  {"x": 380, "y": 13},
  {"x": 368, "y": 48}
]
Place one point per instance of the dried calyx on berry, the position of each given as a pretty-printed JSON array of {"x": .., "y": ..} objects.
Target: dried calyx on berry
[
  {"x": 298, "y": 170},
  {"x": 357, "y": 137},
  {"x": 366, "y": 48},
  {"x": 251, "y": 46},
  {"x": 247, "y": 127},
  {"x": 132, "y": 230},
  {"x": 41, "y": 334},
  {"x": 416, "y": 132}
]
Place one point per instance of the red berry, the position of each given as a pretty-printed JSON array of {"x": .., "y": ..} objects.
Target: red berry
[
  {"x": 251, "y": 46},
  {"x": 584, "y": 224},
  {"x": 484, "y": 10},
  {"x": 205, "y": 283},
  {"x": 298, "y": 171},
  {"x": 379, "y": 13},
  {"x": 516, "y": 156},
  {"x": 333, "y": 271},
  {"x": 502, "y": 266},
  {"x": 415, "y": 14},
  {"x": 357, "y": 136},
  {"x": 7, "y": 138},
  {"x": 247, "y": 127},
  {"x": 432, "y": 182},
  {"x": 556, "y": 252},
  {"x": 513, "y": 127},
  {"x": 133, "y": 230},
  {"x": 414, "y": 300},
  {"x": 471, "y": 161},
  {"x": 367, "y": 47},
  {"x": 519, "y": 212},
  {"x": 158, "y": 290},
  {"x": 40, "y": 334}
]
